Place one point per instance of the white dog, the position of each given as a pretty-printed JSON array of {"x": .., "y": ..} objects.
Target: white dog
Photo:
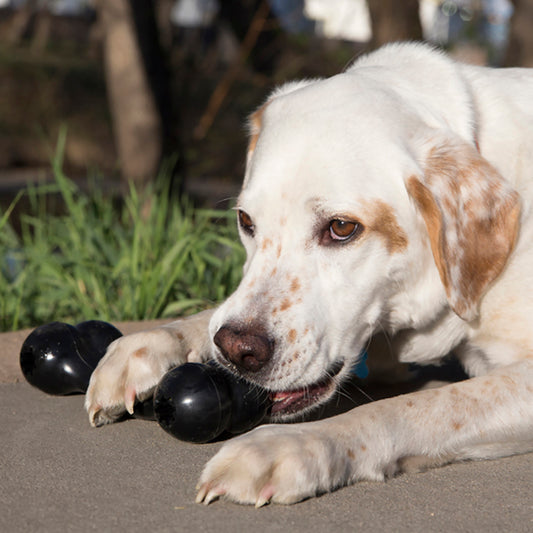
[{"x": 393, "y": 200}]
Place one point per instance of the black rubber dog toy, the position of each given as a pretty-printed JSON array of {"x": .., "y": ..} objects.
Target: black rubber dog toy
[
  {"x": 192, "y": 402},
  {"x": 59, "y": 358},
  {"x": 197, "y": 403}
]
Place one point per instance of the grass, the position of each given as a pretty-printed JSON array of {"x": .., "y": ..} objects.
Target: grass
[{"x": 97, "y": 260}]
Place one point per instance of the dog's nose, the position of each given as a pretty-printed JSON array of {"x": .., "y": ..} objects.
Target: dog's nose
[{"x": 249, "y": 349}]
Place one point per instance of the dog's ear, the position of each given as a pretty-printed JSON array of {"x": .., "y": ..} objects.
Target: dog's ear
[{"x": 472, "y": 216}]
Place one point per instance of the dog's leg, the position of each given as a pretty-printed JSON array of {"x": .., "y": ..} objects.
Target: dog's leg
[
  {"x": 483, "y": 417},
  {"x": 134, "y": 364}
]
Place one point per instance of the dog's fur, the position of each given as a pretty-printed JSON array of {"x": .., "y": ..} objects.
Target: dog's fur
[{"x": 430, "y": 163}]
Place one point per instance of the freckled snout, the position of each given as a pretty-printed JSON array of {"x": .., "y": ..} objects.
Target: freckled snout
[{"x": 249, "y": 349}]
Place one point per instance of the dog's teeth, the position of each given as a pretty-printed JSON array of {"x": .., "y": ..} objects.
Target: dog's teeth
[{"x": 280, "y": 396}]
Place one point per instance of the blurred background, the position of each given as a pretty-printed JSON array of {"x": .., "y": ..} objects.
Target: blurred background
[
  {"x": 103, "y": 100},
  {"x": 136, "y": 82}
]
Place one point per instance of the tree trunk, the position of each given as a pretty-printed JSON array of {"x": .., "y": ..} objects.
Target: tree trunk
[
  {"x": 137, "y": 122},
  {"x": 394, "y": 20},
  {"x": 21, "y": 22},
  {"x": 520, "y": 49}
]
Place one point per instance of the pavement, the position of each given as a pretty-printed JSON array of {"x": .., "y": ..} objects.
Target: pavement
[{"x": 59, "y": 474}]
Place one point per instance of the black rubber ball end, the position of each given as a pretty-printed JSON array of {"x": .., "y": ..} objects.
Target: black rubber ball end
[
  {"x": 59, "y": 358},
  {"x": 192, "y": 402}
]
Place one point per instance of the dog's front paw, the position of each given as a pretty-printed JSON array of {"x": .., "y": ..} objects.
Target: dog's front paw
[
  {"x": 130, "y": 370},
  {"x": 274, "y": 463}
]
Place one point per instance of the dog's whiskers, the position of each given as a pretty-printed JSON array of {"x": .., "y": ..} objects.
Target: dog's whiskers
[{"x": 366, "y": 395}]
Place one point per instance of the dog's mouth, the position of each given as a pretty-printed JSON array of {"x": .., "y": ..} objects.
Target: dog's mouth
[{"x": 296, "y": 401}]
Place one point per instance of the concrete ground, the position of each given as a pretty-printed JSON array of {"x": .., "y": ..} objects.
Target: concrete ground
[{"x": 59, "y": 474}]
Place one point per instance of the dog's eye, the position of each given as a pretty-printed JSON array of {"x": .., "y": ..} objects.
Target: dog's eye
[
  {"x": 342, "y": 230},
  {"x": 246, "y": 224}
]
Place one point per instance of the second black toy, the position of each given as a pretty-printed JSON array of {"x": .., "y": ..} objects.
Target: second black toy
[{"x": 59, "y": 358}]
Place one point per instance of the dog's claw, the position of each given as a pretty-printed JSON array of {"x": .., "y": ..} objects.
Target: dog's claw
[
  {"x": 98, "y": 416},
  {"x": 93, "y": 416},
  {"x": 129, "y": 399},
  {"x": 261, "y": 502},
  {"x": 211, "y": 496},
  {"x": 265, "y": 496},
  {"x": 206, "y": 495},
  {"x": 202, "y": 491}
]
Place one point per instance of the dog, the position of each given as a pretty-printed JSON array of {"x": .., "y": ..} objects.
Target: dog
[{"x": 387, "y": 208}]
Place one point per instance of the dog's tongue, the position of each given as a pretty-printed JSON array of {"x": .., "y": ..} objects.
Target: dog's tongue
[{"x": 287, "y": 402}]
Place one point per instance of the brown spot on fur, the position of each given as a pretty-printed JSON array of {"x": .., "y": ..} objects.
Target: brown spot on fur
[
  {"x": 363, "y": 448},
  {"x": 141, "y": 352},
  {"x": 292, "y": 335},
  {"x": 278, "y": 253},
  {"x": 255, "y": 122},
  {"x": 350, "y": 453},
  {"x": 285, "y": 304},
  {"x": 253, "y": 142},
  {"x": 410, "y": 403},
  {"x": 508, "y": 381},
  {"x": 180, "y": 336},
  {"x": 383, "y": 222},
  {"x": 456, "y": 425},
  {"x": 267, "y": 243},
  {"x": 378, "y": 218},
  {"x": 295, "y": 285}
]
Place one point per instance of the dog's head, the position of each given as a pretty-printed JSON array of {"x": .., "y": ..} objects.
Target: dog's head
[{"x": 356, "y": 216}]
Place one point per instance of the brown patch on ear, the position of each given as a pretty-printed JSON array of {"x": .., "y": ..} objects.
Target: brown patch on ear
[
  {"x": 432, "y": 217},
  {"x": 383, "y": 221},
  {"x": 472, "y": 218},
  {"x": 255, "y": 121}
]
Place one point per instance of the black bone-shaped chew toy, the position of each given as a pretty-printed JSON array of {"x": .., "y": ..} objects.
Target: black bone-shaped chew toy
[
  {"x": 192, "y": 402},
  {"x": 197, "y": 403},
  {"x": 59, "y": 358}
]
